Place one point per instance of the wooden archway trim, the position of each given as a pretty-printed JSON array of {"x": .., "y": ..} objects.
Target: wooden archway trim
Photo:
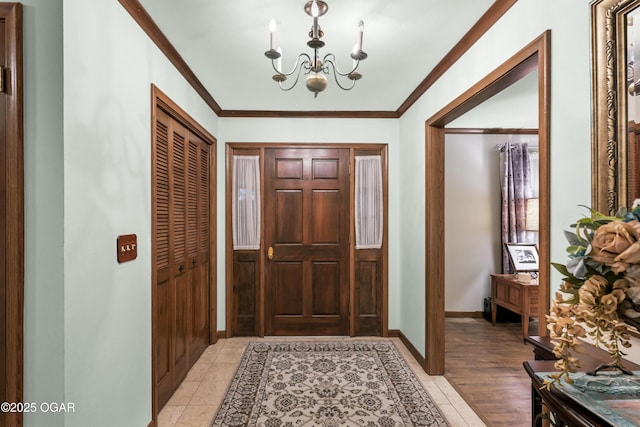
[
  {"x": 534, "y": 56},
  {"x": 12, "y": 207}
]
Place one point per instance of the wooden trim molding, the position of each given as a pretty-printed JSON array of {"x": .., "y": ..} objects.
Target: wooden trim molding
[
  {"x": 463, "y": 314},
  {"x": 314, "y": 114},
  {"x": 143, "y": 19},
  {"x": 493, "y": 131},
  {"x": 533, "y": 56},
  {"x": 490, "y": 17},
  {"x": 12, "y": 204},
  {"x": 396, "y": 333}
]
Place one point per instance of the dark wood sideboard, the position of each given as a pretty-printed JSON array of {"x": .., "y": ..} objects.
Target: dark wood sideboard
[{"x": 566, "y": 411}]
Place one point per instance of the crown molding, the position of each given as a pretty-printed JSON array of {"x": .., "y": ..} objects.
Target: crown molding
[{"x": 142, "y": 17}]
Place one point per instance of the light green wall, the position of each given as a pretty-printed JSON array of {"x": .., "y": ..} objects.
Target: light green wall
[
  {"x": 43, "y": 204},
  {"x": 570, "y": 131}
]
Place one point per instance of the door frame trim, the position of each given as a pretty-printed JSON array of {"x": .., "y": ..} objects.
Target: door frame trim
[
  {"x": 535, "y": 55},
  {"x": 160, "y": 100},
  {"x": 13, "y": 241},
  {"x": 259, "y": 148}
]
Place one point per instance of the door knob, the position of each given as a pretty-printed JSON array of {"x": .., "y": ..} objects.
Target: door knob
[{"x": 270, "y": 253}]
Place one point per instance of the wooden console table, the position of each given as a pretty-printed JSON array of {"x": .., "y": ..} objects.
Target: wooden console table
[
  {"x": 566, "y": 411},
  {"x": 519, "y": 296}
]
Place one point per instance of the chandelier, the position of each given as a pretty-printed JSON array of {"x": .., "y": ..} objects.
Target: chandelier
[{"x": 315, "y": 68}]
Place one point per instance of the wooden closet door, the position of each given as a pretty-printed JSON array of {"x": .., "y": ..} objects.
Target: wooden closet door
[
  {"x": 198, "y": 244},
  {"x": 182, "y": 167},
  {"x": 178, "y": 212},
  {"x": 164, "y": 286}
]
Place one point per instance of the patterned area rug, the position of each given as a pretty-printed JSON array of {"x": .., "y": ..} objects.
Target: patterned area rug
[{"x": 338, "y": 383}]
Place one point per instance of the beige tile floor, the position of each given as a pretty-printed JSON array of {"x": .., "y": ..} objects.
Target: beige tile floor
[{"x": 196, "y": 401}]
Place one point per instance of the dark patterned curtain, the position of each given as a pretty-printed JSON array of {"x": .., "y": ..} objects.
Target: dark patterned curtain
[{"x": 516, "y": 189}]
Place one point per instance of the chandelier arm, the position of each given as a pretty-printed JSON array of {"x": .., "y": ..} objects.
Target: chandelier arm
[
  {"x": 336, "y": 73},
  {"x": 303, "y": 56},
  {"x": 295, "y": 82},
  {"x": 331, "y": 58}
]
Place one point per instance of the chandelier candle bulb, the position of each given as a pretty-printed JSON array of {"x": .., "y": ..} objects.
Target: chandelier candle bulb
[
  {"x": 314, "y": 12},
  {"x": 360, "y": 35},
  {"x": 272, "y": 30}
]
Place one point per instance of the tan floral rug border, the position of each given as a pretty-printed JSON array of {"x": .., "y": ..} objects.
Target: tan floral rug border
[{"x": 337, "y": 383}]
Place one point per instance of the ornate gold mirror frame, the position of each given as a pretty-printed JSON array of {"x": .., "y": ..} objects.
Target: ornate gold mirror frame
[{"x": 611, "y": 123}]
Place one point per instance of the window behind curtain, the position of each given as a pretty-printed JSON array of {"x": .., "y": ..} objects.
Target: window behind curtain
[
  {"x": 368, "y": 202},
  {"x": 246, "y": 202}
]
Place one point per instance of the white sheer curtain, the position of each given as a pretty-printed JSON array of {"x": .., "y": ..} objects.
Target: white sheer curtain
[
  {"x": 246, "y": 202},
  {"x": 368, "y": 201}
]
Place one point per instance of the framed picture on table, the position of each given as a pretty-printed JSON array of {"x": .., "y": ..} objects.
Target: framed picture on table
[{"x": 523, "y": 256}]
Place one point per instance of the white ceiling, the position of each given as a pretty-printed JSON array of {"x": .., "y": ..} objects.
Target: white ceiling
[{"x": 224, "y": 41}]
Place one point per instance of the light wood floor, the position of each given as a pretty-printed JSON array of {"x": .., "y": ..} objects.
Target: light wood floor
[{"x": 484, "y": 363}]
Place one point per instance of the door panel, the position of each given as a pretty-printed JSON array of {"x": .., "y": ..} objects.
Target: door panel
[
  {"x": 163, "y": 302},
  {"x": 307, "y": 224},
  {"x": 179, "y": 240},
  {"x": 246, "y": 273},
  {"x": 325, "y": 286},
  {"x": 287, "y": 292},
  {"x": 324, "y": 222},
  {"x": 289, "y": 216},
  {"x": 201, "y": 322}
]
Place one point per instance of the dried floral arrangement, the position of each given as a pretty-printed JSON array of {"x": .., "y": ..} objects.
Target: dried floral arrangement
[{"x": 600, "y": 294}]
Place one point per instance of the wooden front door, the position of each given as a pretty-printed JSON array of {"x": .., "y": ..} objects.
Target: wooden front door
[{"x": 306, "y": 219}]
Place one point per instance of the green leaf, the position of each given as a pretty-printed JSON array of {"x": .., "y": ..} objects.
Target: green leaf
[
  {"x": 574, "y": 249},
  {"x": 573, "y": 280},
  {"x": 561, "y": 268},
  {"x": 574, "y": 239}
]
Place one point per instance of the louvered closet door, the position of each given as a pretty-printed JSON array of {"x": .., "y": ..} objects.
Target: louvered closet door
[
  {"x": 182, "y": 252},
  {"x": 164, "y": 286},
  {"x": 198, "y": 243},
  {"x": 179, "y": 258}
]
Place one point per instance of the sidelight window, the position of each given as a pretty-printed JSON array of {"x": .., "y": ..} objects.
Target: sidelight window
[
  {"x": 368, "y": 202},
  {"x": 246, "y": 202}
]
